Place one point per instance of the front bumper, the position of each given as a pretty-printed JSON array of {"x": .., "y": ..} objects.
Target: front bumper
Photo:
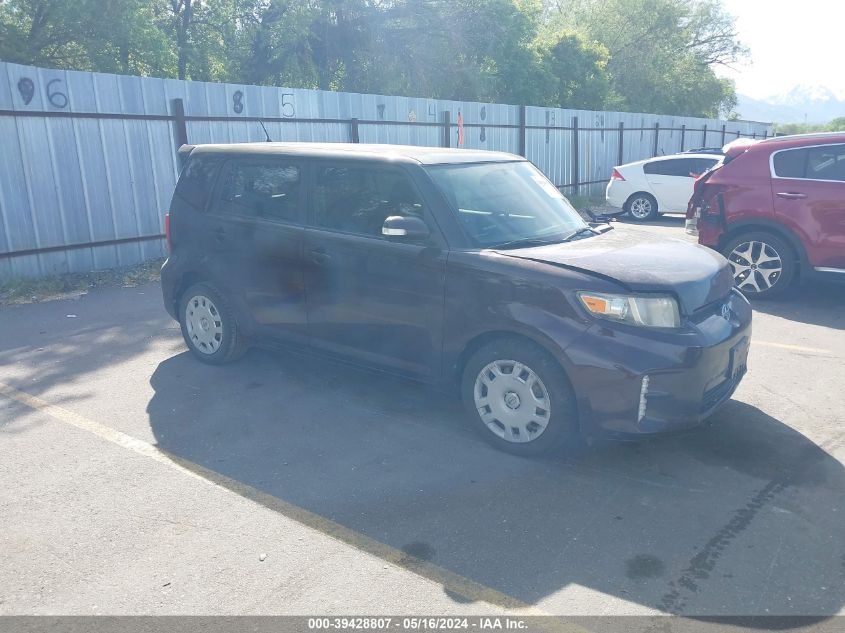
[{"x": 634, "y": 381}]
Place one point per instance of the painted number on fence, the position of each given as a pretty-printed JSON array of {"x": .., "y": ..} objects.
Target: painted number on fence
[
  {"x": 238, "y": 102},
  {"x": 288, "y": 110},
  {"x": 57, "y": 98}
]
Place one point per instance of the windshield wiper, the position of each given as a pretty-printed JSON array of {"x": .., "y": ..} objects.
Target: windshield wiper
[
  {"x": 581, "y": 231},
  {"x": 537, "y": 240},
  {"x": 528, "y": 241}
]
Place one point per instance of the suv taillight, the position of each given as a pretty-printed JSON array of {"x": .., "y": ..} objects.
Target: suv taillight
[
  {"x": 615, "y": 175},
  {"x": 167, "y": 232}
]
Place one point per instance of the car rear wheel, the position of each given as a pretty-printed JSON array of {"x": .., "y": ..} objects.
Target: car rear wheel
[
  {"x": 519, "y": 397},
  {"x": 642, "y": 207},
  {"x": 209, "y": 326},
  {"x": 763, "y": 264}
]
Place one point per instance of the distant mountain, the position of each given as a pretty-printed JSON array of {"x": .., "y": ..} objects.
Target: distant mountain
[{"x": 818, "y": 103}]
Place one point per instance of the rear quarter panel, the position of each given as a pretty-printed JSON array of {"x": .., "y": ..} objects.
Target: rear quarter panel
[{"x": 745, "y": 186}]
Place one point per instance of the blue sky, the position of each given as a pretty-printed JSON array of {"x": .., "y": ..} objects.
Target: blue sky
[{"x": 792, "y": 42}]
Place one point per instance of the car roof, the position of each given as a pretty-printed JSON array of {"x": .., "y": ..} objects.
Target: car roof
[
  {"x": 402, "y": 153},
  {"x": 715, "y": 157},
  {"x": 799, "y": 140}
]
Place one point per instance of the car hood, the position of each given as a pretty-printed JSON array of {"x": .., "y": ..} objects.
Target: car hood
[{"x": 693, "y": 273}]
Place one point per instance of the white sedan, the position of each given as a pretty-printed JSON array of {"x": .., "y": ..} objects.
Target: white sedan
[{"x": 657, "y": 185}]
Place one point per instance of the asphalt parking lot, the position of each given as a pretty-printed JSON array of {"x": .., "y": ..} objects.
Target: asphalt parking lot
[{"x": 136, "y": 480}]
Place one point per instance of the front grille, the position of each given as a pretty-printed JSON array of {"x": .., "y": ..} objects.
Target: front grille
[{"x": 709, "y": 309}]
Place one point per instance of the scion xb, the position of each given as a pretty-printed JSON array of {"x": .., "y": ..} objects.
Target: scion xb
[{"x": 456, "y": 267}]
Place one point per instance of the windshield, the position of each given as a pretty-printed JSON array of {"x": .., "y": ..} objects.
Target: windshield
[{"x": 503, "y": 203}]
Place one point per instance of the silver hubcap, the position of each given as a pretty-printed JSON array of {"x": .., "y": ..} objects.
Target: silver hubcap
[
  {"x": 641, "y": 208},
  {"x": 512, "y": 401},
  {"x": 204, "y": 324},
  {"x": 756, "y": 266}
]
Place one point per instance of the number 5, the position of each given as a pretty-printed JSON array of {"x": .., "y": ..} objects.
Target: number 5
[{"x": 288, "y": 110}]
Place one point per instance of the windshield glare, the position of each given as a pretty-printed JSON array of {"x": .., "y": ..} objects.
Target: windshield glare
[{"x": 499, "y": 203}]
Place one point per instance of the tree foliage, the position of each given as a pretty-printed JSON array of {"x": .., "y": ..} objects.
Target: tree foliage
[
  {"x": 637, "y": 55},
  {"x": 836, "y": 125}
]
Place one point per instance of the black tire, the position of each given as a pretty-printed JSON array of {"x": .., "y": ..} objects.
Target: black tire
[
  {"x": 767, "y": 245},
  {"x": 231, "y": 344},
  {"x": 648, "y": 204},
  {"x": 562, "y": 420}
]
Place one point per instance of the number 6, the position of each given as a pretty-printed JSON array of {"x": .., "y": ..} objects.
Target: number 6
[{"x": 55, "y": 96}]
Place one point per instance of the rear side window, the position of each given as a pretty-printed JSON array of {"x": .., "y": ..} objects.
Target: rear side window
[
  {"x": 826, "y": 162},
  {"x": 700, "y": 165},
  {"x": 672, "y": 167},
  {"x": 357, "y": 199},
  {"x": 268, "y": 189},
  {"x": 197, "y": 180},
  {"x": 791, "y": 163}
]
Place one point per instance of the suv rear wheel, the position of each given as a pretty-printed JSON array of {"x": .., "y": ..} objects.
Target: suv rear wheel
[
  {"x": 763, "y": 264},
  {"x": 209, "y": 326},
  {"x": 519, "y": 397}
]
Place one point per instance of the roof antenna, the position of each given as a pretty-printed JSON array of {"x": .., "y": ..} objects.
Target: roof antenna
[{"x": 268, "y": 139}]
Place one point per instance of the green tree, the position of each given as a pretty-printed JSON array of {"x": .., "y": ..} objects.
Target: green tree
[
  {"x": 115, "y": 36},
  {"x": 577, "y": 72},
  {"x": 661, "y": 52},
  {"x": 837, "y": 125}
]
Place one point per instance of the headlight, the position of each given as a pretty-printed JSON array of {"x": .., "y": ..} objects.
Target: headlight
[{"x": 643, "y": 310}]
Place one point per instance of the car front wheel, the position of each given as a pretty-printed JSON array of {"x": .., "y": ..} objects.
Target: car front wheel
[
  {"x": 763, "y": 264},
  {"x": 519, "y": 397}
]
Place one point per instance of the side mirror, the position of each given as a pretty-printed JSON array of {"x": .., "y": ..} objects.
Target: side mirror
[{"x": 405, "y": 226}]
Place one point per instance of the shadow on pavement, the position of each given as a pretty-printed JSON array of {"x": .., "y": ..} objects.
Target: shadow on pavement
[
  {"x": 741, "y": 517},
  {"x": 816, "y": 303}
]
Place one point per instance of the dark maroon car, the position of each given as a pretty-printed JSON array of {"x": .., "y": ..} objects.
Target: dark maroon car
[
  {"x": 458, "y": 267},
  {"x": 776, "y": 210}
]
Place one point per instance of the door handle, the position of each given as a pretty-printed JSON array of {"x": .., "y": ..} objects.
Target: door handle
[
  {"x": 791, "y": 195},
  {"x": 319, "y": 256}
]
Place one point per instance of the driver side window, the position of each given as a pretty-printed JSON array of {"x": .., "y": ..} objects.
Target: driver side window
[{"x": 358, "y": 198}]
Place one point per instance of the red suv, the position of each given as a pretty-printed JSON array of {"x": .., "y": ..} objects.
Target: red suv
[{"x": 776, "y": 210}]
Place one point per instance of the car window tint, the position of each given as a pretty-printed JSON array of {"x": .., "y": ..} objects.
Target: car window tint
[
  {"x": 826, "y": 162},
  {"x": 700, "y": 165},
  {"x": 266, "y": 189},
  {"x": 670, "y": 167},
  {"x": 790, "y": 163},
  {"x": 197, "y": 180},
  {"x": 358, "y": 199}
]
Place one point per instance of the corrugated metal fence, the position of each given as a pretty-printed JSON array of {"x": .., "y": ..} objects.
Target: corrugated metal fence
[{"x": 88, "y": 160}]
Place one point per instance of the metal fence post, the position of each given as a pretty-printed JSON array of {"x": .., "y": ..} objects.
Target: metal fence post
[
  {"x": 765, "y": 134},
  {"x": 177, "y": 106},
  {"x": 522, "y": 130},
  {"x": 683, "y": 134},
  {"x": 353, "y": 130},
  {"x": 754, "y": 134},
  {"x": 621, "y": 143},
  {"x": 447, "y": 128},
  {"x": 704, "y": 139},
  {"x": 575, "y": 154},
  {"x": 724, "y": 130},
  {"x": 656, "y": 137}
]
